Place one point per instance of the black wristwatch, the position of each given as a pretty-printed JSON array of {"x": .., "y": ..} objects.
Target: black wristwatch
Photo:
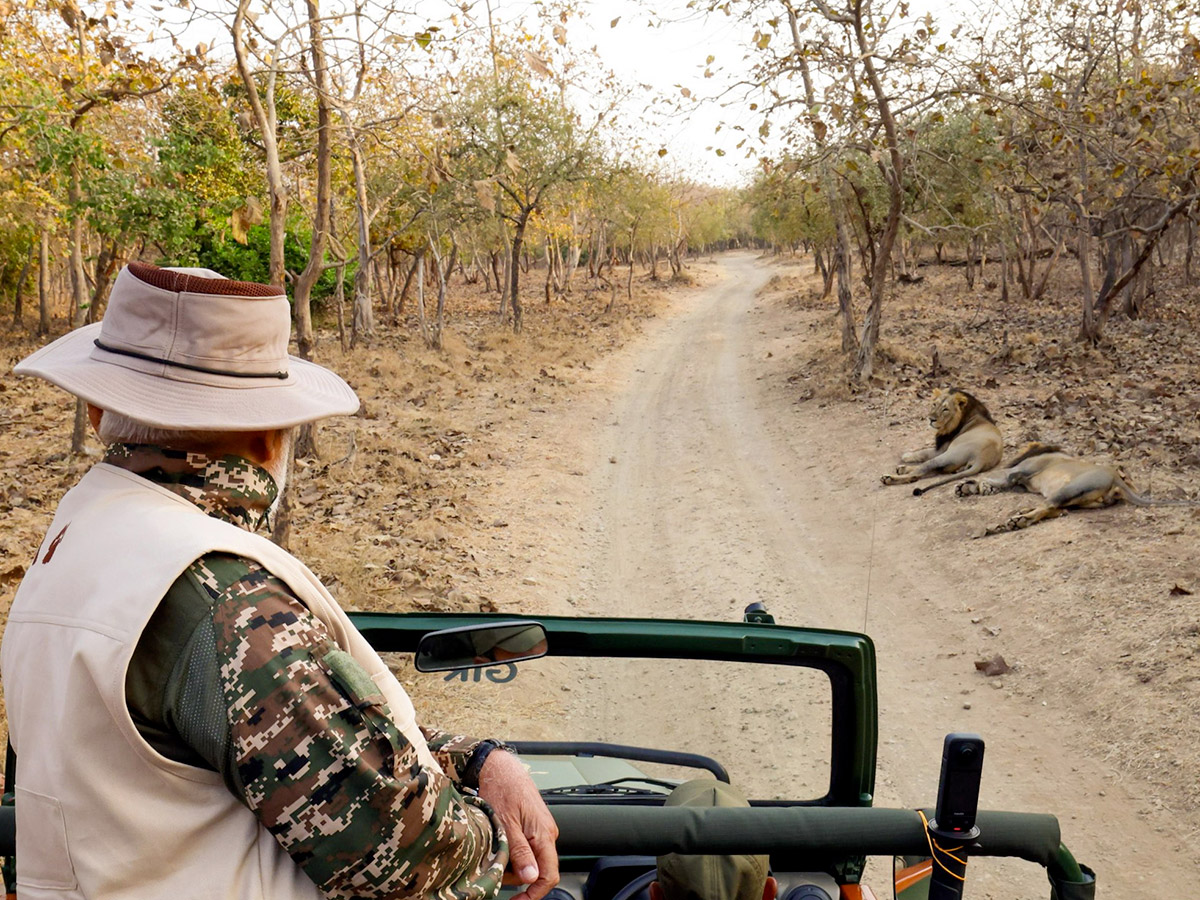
[{"x": 470, "y": 772}]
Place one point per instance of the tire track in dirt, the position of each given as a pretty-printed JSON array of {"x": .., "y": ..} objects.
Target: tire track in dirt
[{"x": 696, "y": 505}]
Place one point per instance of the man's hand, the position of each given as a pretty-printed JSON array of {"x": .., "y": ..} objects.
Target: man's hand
[{"x": 532, "y": 831}]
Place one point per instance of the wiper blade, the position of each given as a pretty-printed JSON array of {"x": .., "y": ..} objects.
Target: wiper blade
[
  {"x": 608, "y": 790},
  {"x": 617, "y": 786}
]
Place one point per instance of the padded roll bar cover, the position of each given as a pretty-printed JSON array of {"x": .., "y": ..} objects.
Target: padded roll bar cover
[
  {"x": 1075, "y": 890},
  {"x": 602, "y": 830}
]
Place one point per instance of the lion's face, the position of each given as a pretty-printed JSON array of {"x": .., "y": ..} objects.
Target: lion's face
[{"x": 947, "y": 411}]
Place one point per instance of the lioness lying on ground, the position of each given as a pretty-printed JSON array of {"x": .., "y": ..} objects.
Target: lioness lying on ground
[
  {"x": 968, "y": 442},
  {"x": 1062, "y": 480}
]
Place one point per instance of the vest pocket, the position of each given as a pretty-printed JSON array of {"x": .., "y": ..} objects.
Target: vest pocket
[{"x": 43, "y": 860}]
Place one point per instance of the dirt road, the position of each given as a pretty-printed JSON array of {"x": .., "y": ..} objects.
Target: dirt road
[{"x": 709, "y": 487}]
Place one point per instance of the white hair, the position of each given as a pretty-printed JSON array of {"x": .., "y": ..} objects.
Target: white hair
[{"x": 117, "y": 428}]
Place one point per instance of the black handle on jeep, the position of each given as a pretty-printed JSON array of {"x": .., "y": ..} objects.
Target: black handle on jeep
[{"x": 807, "y": 838}]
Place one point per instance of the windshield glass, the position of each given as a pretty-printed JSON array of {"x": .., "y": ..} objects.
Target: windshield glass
[{"x": 768, "y": 725}]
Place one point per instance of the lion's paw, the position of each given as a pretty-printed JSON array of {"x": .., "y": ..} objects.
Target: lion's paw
[
  {"x": 967, "y": 488},
  {"x": 1017, "y": 522}
]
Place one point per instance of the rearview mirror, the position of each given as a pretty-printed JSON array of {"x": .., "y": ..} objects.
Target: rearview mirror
[{"x": 480, "y": 645}]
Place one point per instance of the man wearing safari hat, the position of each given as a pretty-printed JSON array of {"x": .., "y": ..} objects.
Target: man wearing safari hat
[
  {"x": 193, "y": 715},
  {"x": 696, "y": 877}
]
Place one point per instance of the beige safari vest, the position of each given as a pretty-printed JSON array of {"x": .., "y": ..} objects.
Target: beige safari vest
[{"x": 100, "y": 814}]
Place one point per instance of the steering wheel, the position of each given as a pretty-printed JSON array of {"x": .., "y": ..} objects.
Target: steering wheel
[{"x": 639, "y": 888}]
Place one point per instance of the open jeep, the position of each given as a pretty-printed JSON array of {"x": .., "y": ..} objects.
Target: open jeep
[{"x": 611, "y": 714}]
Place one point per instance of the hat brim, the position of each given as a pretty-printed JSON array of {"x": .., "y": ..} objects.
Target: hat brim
[{"x": 164, "y": 397}]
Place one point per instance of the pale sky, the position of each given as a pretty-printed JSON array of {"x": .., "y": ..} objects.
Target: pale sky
[{"x": 670, "y": 55}]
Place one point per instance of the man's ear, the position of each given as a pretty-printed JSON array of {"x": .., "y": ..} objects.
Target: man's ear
[
  {"x": 94, "y": 414},
  {"x": 656, "y": 891},
  {"x": 770, "y": 889}
]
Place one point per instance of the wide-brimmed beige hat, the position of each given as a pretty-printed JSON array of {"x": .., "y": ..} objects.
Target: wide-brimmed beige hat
[{"x": 191, "y": 350}]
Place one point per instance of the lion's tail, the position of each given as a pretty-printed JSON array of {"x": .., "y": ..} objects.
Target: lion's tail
[
  {"x": 1036, "y": 448},
  {"x": 1129, "y": 495}
]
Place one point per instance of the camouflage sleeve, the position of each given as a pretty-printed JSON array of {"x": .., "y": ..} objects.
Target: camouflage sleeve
[
  {"x": 452, "y": 751},
  {"x": 326, "y": 770}
]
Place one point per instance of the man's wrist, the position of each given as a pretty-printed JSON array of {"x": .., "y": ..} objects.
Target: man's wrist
[{"x": 474, "y": 764}]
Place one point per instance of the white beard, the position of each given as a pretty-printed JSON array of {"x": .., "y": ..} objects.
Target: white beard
[{"x": 277, "y": 467}]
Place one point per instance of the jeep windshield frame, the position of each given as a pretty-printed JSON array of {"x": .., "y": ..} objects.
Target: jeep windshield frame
[{"x": 846, "y": 658}]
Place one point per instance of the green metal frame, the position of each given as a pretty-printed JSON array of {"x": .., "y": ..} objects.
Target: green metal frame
[
  {"x": 841, "y": 824},
  {"x": 847, "y": 659}
]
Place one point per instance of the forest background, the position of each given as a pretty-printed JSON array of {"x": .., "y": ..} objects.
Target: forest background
[{"x": 356, "y": 153}]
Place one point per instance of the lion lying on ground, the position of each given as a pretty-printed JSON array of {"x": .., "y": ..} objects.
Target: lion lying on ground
[
  {"x": 968, "y": 442},
  {"x": 1062, "y": 480}
]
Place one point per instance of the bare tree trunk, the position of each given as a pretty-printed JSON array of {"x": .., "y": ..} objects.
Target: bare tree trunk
[
  {"x": 44, "y": 283},
  {"x": 408, "y": 280},
  {"x": 452, "y": 261},
  {"x": 422, "y": 322},
  {"x": 500, "y": 278},
  {"x": 824, "y": 269},
  {"x": 1004, "y": 273},
  {"x": 1126, "y": 252},
  {"x": 1189, "y": 252},
  {"x": 1045, "y": 279},
  {"x": 340, "y": 301},
  {"x": 78, "y": 278},
  {"x": 1138, "y": 292},
  {"x": 841, "y": 264},
  {"x": 393, "y": 288},
  {"x": 596, "y": 260},
  {"x": 265, "y": 118},
  {"x": 79, "y": 428},
  {"x": 18, "y": 302},
  {"x": 306, "y": 439},
  {"x": 302, "y": 290},
  {"x": 1088, "y": 327},
  {"x": 837, "y": 204},
  {"x": 106, "y": 268},
  {"x": 362, "y": 324},
  {"x": 443, "y": 277},
  {"x": 506, "y": 283},
  {"x": 612, "y": 284},
  {"x": 629, "y": 277},
  {"x": 574, "y": 250},
  {"x": 515, "y": 298}
]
